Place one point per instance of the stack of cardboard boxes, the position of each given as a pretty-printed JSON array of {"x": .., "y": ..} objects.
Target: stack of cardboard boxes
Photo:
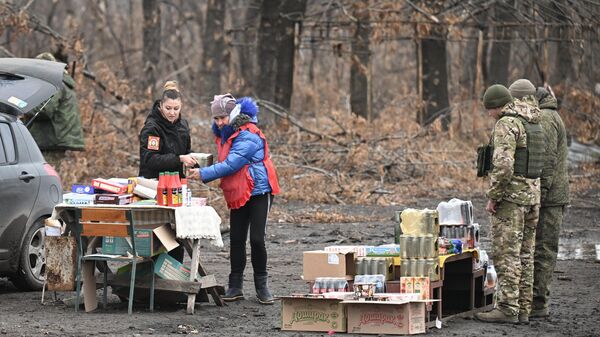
[{"x": 375, "y": 289}]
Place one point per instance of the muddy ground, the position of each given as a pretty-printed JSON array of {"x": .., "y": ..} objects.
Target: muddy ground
[{"x": 575, "y": 303}]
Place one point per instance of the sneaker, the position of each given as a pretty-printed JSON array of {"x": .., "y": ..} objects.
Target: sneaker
[{"x": 496, "y": 316}]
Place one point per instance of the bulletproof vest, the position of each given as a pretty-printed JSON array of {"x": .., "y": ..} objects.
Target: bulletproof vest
[{"x": 529, "y": 160}]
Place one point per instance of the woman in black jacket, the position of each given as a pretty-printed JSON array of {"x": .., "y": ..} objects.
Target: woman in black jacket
[{"x": 165, "y": 138}]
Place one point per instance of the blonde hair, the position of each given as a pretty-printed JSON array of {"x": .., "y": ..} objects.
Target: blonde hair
[{"x": 171, "y": 90}]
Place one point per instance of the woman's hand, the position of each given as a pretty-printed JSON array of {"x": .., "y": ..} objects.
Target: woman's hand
[
  {"x": 187, "y": 160},
  {"x": 194, "y": 174}
]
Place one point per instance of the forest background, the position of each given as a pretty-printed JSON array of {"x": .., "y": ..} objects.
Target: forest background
[{"x": 363, "y": 102}]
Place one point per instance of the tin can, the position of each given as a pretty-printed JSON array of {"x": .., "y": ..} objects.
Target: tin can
[
  {"x": 420, "y": 271},
  {"x": 412, "y": 267},
  {"x": 404, "y": 267},
  {"x": 403, "y": 246},
  {"x": 359, "y": 266},
  {"x": 382, "y": 267},
  {"x": 418, "y": 243}
]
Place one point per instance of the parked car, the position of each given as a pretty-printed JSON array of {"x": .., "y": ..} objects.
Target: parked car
[{"x": 29, "y": 187}]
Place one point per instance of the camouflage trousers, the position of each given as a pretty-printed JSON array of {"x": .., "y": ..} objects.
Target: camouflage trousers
[
  {"x": 513, "y": 235},
  {"x": 546, "y": 249}
]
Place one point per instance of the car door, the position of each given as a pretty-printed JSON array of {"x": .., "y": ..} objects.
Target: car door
[{"x": 19, "y": 185}]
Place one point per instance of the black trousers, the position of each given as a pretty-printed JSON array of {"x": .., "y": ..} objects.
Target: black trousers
[{"x": 252, "y": 216}]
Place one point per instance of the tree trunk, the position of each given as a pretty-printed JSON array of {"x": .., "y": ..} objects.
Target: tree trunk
[
  {"x": 360, "y": 100},
  {"x": 276, "y": 50},
  {"x": 499, "y": 56},
  {"x": 435, "y": 80},
  {"x": 214, "y": 47},
  {"x": 563, "y": 68},
  {"x": 151, "y": 56},
  {"x": 247, "y": 46}
]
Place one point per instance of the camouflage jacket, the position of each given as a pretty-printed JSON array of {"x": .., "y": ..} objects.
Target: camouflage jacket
[
  {"x": 555, "y": 178},
  {"x": 508, "y": 135}
]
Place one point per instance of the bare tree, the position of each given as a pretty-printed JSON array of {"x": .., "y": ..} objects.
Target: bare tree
[
  {"x": 214, "y": 47},
  {"x": 360, "y": 81},
  {"x": 435, "y": 79},
  {"x": 276, "y": 49},
  {"x": 151, "y": 50},
  {"x": 563, "y": 65},
  {"x": 499, "y": 50}
]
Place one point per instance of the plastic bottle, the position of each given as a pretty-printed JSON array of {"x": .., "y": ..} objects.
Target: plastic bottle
[
  {"x": 184, "y": 189},
  {"x": 161, "y": 189},
  {"x": 491, "y": 277},
  {"x": 179, "y": 200},
  {"x": 170, "y": 184}
]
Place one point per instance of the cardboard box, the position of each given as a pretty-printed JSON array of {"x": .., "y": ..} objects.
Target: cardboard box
[
  {"x": 113, "y": 199},
  {"x": 148, "y": 242},
  {"x": 83, "y": 189},
  {"x": 312, "y": 314},
  {"x": 418, "y": 285},
  {"x": 374, "y": 317},
  {"x": 78, "y": 199},
  {"x": 359, "y": 251},
  {"x": 384, "y": 251},
  {"x": 319, "y": 263},
  {"x": 109, "y": 186},
  {"x": 168, "y": 268}
]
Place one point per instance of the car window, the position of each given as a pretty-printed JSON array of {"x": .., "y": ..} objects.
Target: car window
[{"x": 7, "y": 152}]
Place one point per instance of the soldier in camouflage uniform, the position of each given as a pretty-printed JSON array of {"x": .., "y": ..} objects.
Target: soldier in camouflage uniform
[
  {"x": 523, "y": 90},
  {"x": 57, "y": 127},
  {"x": 513, "y": 204},
  {"x": 555, "y": 196}
]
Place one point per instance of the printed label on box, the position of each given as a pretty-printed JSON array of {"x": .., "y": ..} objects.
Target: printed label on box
[{"x": 333, "y": 259}]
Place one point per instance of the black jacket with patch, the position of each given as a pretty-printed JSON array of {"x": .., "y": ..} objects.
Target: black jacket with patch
[{"x": 173, "y": 141}]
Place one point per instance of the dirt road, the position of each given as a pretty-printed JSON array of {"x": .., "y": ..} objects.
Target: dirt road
[{"x": 575, "y": 305}]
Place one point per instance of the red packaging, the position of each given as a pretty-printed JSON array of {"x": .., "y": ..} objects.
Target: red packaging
[{"x": 109, "y": 186}]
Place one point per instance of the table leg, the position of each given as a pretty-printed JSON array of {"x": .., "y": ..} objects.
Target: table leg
[
  {"x": 212, "y": 290},
  {"x": 193, "y": 273}
]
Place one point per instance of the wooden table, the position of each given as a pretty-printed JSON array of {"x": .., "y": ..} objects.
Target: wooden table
[{"x": 191, "y": 225}]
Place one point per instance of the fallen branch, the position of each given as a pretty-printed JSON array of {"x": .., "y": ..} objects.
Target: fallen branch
[{"x": 281, "y": 112}]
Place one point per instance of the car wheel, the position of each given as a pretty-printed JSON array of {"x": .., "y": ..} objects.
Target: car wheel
[{"x": 32, "y": 264}]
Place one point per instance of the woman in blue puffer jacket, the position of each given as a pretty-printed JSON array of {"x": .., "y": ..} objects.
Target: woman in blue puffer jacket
[{"x": 249, "y": 182}]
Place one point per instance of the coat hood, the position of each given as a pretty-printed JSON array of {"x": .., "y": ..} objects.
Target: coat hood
[
  {"x": 518, "y": 107},
  {"x": 69, "y": 81},
  {"x": 549, "y": 102}
]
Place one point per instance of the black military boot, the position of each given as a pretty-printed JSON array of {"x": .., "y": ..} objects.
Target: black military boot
[
  {"x": 262, "y": 290},
  {"x": 234, "y": 289}
]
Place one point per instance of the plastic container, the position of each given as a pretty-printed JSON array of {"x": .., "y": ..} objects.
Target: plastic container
[
  {"x": 491, "y": 278},
  {"x": 455, "y": 212},
  {"x": 161, "y": 190}
]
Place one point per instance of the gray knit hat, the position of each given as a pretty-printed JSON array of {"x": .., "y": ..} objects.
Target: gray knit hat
[
  {"x": 222, "y": 105},
  {"x": 496, "y": 96},
  {"x": 521, "y": 88}
]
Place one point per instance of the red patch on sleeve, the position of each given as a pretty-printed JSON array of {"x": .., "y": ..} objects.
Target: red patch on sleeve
[{"x": 153, "y": 143}]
